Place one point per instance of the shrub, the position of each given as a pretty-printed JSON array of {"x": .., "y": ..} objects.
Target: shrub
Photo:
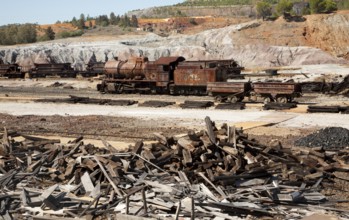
[
  {"x": 66, "y": 34},
  {"x": 264, "y": 9}
]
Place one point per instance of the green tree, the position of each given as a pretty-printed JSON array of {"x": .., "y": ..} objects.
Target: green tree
[
  {"x": 284, "y": 6},
  {"x": 102, "y": 20},
  {"x": 74, "y": 21},
  {"x": 329, "y": 6},
  {"x": 26, "y": 33},
  {"x": 113, "y": 19},
  {"x": 134, "y": 21},
  {"x": 18, "y": 34},
  {"x": 125, "y": 21},
  {"x": 50, "y": 33},
  {"x": 322, "y": 6},
  {"x": 264, "y": 9},
  {"x": 81, "y": 22},
  {"x": 342, "y": 5}
]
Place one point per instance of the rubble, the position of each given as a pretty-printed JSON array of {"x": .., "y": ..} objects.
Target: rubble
[
  {"x": 217, "y": 173},
  {"x": 331, "y": 138}
]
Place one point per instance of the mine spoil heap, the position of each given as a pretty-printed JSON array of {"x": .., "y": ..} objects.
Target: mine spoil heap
[
  {"x": 331, "y": 138},
  {"x": 215, "y": 173}
]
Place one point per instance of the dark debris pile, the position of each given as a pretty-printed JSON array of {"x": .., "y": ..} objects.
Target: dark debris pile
[
  {"x": 217, "y": 173},
  {"x": 330, "y": 138}
]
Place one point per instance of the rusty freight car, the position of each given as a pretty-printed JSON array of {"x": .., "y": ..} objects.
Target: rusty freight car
[
  {"x": 52, "y": 69},
  {"x": 229, "y": 91},
  {"x": 277, "y": 91},
  {"x": 93, "y": 69},
  {"x": 10, "y": 71}
]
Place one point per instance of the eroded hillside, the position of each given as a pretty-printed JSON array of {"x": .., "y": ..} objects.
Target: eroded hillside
[
  {"x": 318, "y": 40},
  {"x": 328, "y": 32}
]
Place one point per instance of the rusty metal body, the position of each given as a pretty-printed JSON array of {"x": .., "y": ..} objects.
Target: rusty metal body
[
  {"x": 52, "y": 69},
  {"x": 276, "y": 91},
  {"x": 93, "y": 69},
  {"x": 167, "y": 75},
  {"x": 140, "y": 75},
  {"x": 10, "y": 71},
  {"x": 133, "y": 68},
  {"x": 275, "y": 88},
  {"x": 230, "y": 91}
]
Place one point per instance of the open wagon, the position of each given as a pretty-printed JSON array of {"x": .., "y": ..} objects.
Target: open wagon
[
  {"x": 228, "y": 91},
  {"x": 277, "y": 91}
]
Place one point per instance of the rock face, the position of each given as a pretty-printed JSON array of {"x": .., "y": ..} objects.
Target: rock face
[
  {"x": 329, "y": 32},
  {"x": 211, "y": 44},
  {"x": 192, "y": 11}
]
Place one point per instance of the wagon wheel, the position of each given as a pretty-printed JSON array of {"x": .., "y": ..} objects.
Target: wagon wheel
[
  {"x": 120, "y": 89},
  {"x": 281, "y": 99},
  {"x": 218, "y": 98},
  {"x": 267, "y": 100},
  {"x": 233, "y": 99}
]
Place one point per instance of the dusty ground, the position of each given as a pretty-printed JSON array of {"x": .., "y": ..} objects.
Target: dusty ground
[
  {"x": 19, "y": 112},
  {"x": 122, "y": 126}
]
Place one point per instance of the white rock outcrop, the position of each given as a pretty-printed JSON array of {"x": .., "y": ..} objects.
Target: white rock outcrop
[{"x": 210, "y": 44}]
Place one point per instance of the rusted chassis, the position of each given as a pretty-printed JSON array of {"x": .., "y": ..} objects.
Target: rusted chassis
[
  {"x": 269, "y": 91},
  {"x": 10, "y": 71},
  {"x": 48, "y": 69}
]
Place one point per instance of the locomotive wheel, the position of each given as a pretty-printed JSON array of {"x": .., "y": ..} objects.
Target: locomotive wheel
[
  {"x": 233, "y": 99},
  {"x": 218, "y": 98},
  {"x": 267, "y": 100},
  {"x": 281, "y": 99}
]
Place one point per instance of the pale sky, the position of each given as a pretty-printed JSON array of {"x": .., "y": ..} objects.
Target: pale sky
[{"x": 48, "y": 11}]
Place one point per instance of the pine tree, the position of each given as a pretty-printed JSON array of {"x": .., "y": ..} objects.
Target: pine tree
[
  {"x": 81, "y": 23},
  {"x": 50, "y": 33},
  {"x": 134, "y": 21},
  {"x": 113, "y": 19},
  {"x": 264, "y": 9}
]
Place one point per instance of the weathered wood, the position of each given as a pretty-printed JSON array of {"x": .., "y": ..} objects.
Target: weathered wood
[
  {"x": 87, "y": 182},
  {"x": 107, "y": 176},
  {"x": 209, "y": 128},
  {"x": 186, "y": 144},
  {"x": 5, "y": 147}
]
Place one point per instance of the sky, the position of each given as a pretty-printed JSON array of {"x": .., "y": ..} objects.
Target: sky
[{"x": 50, "y": 11}]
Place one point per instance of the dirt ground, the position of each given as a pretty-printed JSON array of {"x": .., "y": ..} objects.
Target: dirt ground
[
  {"x": 122, "y": 126},
  {"x": 19, "y": 112}
]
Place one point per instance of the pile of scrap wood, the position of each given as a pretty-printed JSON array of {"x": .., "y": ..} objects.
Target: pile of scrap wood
[{"x": 215, "y": 173}]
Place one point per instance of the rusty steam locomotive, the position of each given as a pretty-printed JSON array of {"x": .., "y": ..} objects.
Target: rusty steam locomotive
[{"x": 175, "y": 76}]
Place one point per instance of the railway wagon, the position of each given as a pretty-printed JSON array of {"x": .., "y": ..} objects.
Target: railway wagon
[
  {"x": 229, "y": 91},
  {"x": 276, "y": 91},
  {"x": 52, "y": 69},
  {"x": 93, "y": 69},
  {"x": 11, "y": 71}
]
